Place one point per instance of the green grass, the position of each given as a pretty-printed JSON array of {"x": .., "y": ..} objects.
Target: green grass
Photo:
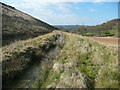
[
  {"x": 89, "y": 34},
  {"x": 87, "y": 66},
  {"x": 86, "y": 62},
  {"x": 17, "y": 56}
]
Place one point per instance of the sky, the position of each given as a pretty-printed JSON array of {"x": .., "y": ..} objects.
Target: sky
[{"x": 68, "y": 12}]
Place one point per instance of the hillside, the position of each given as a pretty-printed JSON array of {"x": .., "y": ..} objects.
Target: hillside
[
  {"x": 109, "y": 28},
  {"x": 67, "y": 26},
  {"x": 17, "y": 25},
  {"x": 60, "y": 60}
]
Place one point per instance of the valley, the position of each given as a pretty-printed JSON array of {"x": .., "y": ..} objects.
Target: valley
[{"x": 37, "y": 55}]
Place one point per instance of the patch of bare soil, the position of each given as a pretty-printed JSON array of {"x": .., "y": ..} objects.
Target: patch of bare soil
[{"x": 105, "y": 40}]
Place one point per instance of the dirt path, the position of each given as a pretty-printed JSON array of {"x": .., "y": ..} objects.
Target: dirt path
[{"x": 105, "y": 40}]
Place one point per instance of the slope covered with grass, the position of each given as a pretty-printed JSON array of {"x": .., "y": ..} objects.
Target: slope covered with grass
[
  {"x": 17, "y": 25},
  {"x": 109, "y": 28},
  {"x": 84, "y": 63},
  {"x": 80, "y": 63}
]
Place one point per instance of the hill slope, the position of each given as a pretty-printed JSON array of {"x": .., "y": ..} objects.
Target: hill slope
[
  {"x": 109, "y": 28},
  {"x": 67, "y": 26},
  {"x": 17, "y": 25},
  {"x": 60, "y": 60}
]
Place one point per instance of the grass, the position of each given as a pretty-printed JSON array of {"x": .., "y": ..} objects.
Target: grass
[
  {"x": 89, "y": 57},
  {"x": 87, "y": 66},
  {"x": 17, "y": 27},
  {"x": 52, "y": 78},
  {"x": 81, "y": 63},
  {"x": 21, "y": 46},
  {"x": 19, "y": 55}
]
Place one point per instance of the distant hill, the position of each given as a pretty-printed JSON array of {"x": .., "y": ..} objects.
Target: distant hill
[
  {"x": 109, "y": 28},
  {"x": 17, "y": 25},
  {"x": 67, "y": 26}
]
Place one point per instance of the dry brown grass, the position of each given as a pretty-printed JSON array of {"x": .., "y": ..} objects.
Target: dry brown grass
[{"x": 105, "y": 40}]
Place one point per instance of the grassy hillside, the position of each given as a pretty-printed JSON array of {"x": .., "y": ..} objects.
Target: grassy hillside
[
  {"x": 67, "y": 26},
  {"x": 17, "y": 25},
  {"x": 80, "y": 62},
  {"x": 109, "y": 28}
]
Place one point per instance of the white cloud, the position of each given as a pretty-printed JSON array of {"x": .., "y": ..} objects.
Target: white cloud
[
  {"x": 60, "y": 6},
  {"x": 49, "y": 11},
  {"x": 92, "y": 10},
  {"x": 53, "y": 11},
  {"x": 62, "y": 19},
  {"x": 77, "y": 8},
  {"x": 106, "y": 0},
  {"x": 72, "y": 0},
  {"x": 54, "y": 0}
]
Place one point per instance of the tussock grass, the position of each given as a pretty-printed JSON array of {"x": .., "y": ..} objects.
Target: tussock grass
[
  {"x": 81, "y": 63},
  {"x": 89, "y": 58},
  {"x": 19, "y": 55}
]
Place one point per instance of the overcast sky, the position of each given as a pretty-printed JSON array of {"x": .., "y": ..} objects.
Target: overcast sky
[{"x": 64, "y": 12}]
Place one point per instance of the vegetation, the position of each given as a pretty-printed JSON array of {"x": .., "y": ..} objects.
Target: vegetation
[
  {"x": 81, "y": 63},
  {"x": 20, "y": 55},
  {"x": 66, "y": 27},
  {"x": 109, "y": 28},
  {"x": 65, "y": 60},
  {"x": 17, "y": 25}
]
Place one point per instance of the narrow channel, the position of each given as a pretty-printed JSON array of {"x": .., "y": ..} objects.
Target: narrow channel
[{"x": 32, "y": 74}]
